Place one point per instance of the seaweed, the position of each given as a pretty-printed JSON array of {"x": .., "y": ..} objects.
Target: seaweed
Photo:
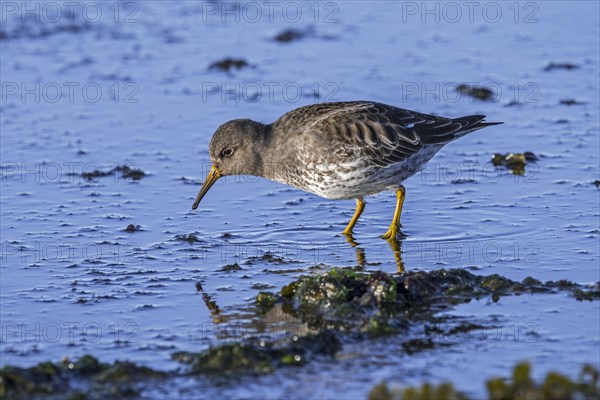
[
  {"x": 476, "y": 92},
  {"x": 555, "y": 386},
  {"x": 65, "y": 379},
  {"x": 227, "y": 64},
  {"x": 123, "y": 171},
  {"x": 379, "y": 303},
  {"x": 515, "y": 162}
]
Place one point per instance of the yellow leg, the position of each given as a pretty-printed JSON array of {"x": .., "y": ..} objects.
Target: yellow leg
[
  {"x": 360, "y": 207},
  {"x": 392, "y": 232}
]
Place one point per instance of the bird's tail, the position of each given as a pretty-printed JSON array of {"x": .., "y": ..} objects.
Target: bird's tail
[
  {"x": 449, "y": 129},
  {"x": 471, "y": 123}
]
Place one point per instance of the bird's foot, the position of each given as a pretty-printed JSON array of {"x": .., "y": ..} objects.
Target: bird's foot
[{"x": 393, "y": 233}]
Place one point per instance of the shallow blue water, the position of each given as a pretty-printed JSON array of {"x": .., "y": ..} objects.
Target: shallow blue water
[{"x": 73, "y": 282}]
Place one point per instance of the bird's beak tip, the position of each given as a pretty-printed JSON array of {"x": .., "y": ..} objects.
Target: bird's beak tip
[{"x": 213, "y": 175}]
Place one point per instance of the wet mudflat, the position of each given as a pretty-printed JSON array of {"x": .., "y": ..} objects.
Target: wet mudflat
[{"x": 101, "y": 254}]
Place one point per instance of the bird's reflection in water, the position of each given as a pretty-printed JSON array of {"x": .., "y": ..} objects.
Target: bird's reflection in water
[
  {"x": 273, "y": 324},
  {"x": 395, "y": 245},
  {"x": 211, "y": 305},
  {"x": 278, "y": 320}
]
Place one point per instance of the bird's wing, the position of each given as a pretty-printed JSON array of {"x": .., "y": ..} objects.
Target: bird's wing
[{"x": 384, "y": 135}]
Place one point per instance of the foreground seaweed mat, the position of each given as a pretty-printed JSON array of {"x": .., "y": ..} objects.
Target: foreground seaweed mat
[
  {"x": 520, "y": 386},
  {"x": 377, "y": 303},
  {"x": 342, "y": 305},
  {"x": 81, "y": 379}
]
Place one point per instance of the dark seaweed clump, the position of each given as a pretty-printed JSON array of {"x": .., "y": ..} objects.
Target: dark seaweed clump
[
  {"x": 231, "y": 267},
  {"x": 289, "y": 35},
  {"x": 131, "y": 228},
  {"x": 571, "y": 102},
  {"x": 123, "y": 171},
  {"x": 228, "y": 64},
  {"x": 476, "y": 92},
  {"x": 380, "y": 303},
  {"x": 265, "y": 301},
  {"x": 257, "y": 357},
  {"x": 520, "y": 386},
  {"x": 566, "y": 66},
  {"x": 120, "y": 379},
  {"x": 130, "y": 173},
  {"x": 294, "y": 35},
  {"x": 43, "y": 29},
  {"x": 342, "y": 303},
  {"x": 515, "y": 162},
  {"x": 268, "y": 258},
  {"x": 189, "y": 238}
]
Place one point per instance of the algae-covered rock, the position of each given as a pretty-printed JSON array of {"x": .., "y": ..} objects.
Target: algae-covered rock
[
  {"x": 86, "y": 365},
  {"x": 340, "y": 303},
  {"x": 554, "y": 387},
  {"x": 258, "y": 358},
  {"x": 370, "y": 302},
  {"x": 496, "y": 283},
  {"x": 43, "y": 378},
  {"x": 343, "y": 299},
  {"x": 127, "y": 372},
  {"x": 66, "y": 379},
  {"x": 515, "y": 162},
  {"x": 476, "y": 92},
  {"x": 427, "y": 391},
  {"x": 581, "y": 295},
  {"x": 379, "y": 303},
  {"x": 521, "y": 386},
  {"x": 265, "y": 301},
  {"x": 229, "y": 359}
]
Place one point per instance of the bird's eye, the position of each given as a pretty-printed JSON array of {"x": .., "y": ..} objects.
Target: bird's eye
[{"x": 227, "y": 152}]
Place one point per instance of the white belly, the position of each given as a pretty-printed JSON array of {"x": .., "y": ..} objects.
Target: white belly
[{"x": 355, "y": 179}]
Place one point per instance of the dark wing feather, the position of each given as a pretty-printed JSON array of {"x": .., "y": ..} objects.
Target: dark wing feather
[{"x": 384, "y": 135}]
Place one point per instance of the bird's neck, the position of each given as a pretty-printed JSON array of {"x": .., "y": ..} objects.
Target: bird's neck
[{"x": 262, "y": 152}]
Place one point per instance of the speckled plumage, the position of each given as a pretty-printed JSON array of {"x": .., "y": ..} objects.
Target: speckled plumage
[
  {"x": 345, "y": 150},
  {"x": 336, "y": 150}
]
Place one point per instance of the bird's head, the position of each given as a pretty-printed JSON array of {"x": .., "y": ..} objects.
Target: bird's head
[{"x": 234, "y": 150}]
